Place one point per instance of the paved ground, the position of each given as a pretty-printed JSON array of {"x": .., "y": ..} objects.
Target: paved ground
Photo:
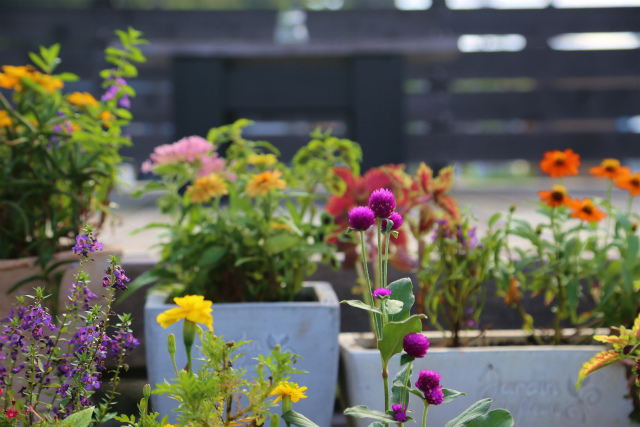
[{"x": 482, "y": 198}]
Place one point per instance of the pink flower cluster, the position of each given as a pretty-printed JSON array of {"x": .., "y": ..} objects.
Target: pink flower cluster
[{"x": 190, "y": 150}]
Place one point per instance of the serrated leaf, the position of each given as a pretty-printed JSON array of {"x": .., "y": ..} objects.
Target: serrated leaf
[
  {"x": 495, "y": 418},
  {"x": 472, "y": 412},
  {"x": 298, "y": 419},
  {"x": 359, "y": 304},
  {"x": 598, "y": 362},
  {"x": 361, "y": 411}
]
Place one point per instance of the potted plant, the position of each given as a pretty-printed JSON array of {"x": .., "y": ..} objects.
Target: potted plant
[
  {"x": 51, "y": 367},
  {"x": 59, "y": 163},
  {"x": 454, "y": 265},
  {"x": 246, "y": 231}
]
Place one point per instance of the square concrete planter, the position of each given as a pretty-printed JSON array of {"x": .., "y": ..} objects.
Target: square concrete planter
[
  {"x": 535, "y": 383},
  {"x": 309, "y": 329}
]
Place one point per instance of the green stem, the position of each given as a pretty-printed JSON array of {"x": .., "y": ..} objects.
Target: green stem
[
  {"x": 380, "y": 276},
  {"x": 609, "y": 201},
  {"x": 629, "y": 203},
  {"x": 366, "y": 274},
  {"x": 424, "y": 414},
  {"x": 385, "y": 379},
  {"x": 386, "y": 258},
  {"x": 406, "y": 384}
]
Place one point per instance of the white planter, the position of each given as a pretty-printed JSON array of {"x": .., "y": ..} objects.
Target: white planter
[
  {"x": 535, "y": 383},
  {"x": 309, "y": 329}
]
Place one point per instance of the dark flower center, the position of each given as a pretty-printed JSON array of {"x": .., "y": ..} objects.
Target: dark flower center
[
  {"x": 558, "y": 196},
  {"x": 587, "y": 209},
  {"x": 635, "y": 182}
]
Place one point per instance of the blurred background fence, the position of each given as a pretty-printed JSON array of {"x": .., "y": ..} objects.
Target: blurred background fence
[{"x": 439, "y": 85}]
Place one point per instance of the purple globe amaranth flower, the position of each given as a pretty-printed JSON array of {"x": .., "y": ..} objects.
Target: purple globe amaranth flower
[
  {"x": 381, "y": 293},
  {"x": 397, "y": 221},
  {"x": 382, "y": 203},
  {"x": 399, "y": 413},
  {"x": 429, "y": 384},
  {"x": 361, "y": 218},
  {"x": 415, "y": 344}
]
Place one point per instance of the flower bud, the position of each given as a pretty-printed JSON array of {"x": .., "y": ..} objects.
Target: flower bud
[
  {"x": 146, "y": 391},
  {"x": 512, "y": 208},
  {"x": 171, "y": 344}
]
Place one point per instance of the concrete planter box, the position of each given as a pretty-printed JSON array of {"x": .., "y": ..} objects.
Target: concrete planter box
[
  {"x": 309, "y": 329},
  {"x": 535, "y": 383}
]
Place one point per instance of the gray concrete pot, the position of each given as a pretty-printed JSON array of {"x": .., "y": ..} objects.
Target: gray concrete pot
[
  {"x": 309, "y": 329},
  {"x": 535, "y": 383}
]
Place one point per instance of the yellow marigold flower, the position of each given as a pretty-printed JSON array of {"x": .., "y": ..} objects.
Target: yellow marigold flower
[
  {"x": 106, "y": 117},
  {"x": 288, "y": 389},
  {"x": 262, "y": 183},
  {"x": 82, "y": 99},
  {"x": 48, "y": 83},
  {"x": 5, "y": 119},
  {"x": 262, "y": 159},
  {"x": 193, "y": 308},
  {"x": 13, "y": 75},
  {"x": 206, "y": 188}
]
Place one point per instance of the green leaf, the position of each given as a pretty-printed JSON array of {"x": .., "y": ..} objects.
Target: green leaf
[
  {"x": 362, "y": 411},
  {"x": 573, "y": 292},
  {"x": 405, "y": 358},
  {"x": 359, "y": 304},
  {"x": 298, "y": 419},
  {"x": 402, "y": 290},
  {"x": 123, "y": 113},
  {"x": 68, "y": 77},
  {"x": 211, "y": 256},
  {"x": 633, "y": 247},
  {"x": 472, "y": 412},
  {"x": 393, "y": 333},
  {"x": 495, "y": 418},
  {"x": 78, "y": 419},
  {"x": 275, "y": 420},
  {"x": 449, "y": 394},
  {"x": 281, "y": 242},
  {"x": 39, "y": 62},
  {"x": 393, "y": 306},
  {"x": 400, "y": 393}
]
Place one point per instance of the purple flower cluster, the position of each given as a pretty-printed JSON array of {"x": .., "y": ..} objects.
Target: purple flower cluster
[
  {"x": 399, "y": 413},
  {"x": 466, "y": 236},
  {"x": 381, "y": 205},
  {"x": 114, "y": 89},
  {"x": 85, "y": 243},
  {"x": 75, "y": 293},
  {"x": 115, "y": 278},
  {"x": 429, "y": 384},
  {"x": 381, "y": 293},
  {"x": 416, "y": 345}
]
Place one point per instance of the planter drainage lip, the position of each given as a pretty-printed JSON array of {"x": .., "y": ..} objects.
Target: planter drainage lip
[{"x": 323, "y": 291}]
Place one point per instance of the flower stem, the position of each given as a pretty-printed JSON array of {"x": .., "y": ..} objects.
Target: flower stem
[
  {"x": 609, "y": 201},
  {"x": 424, "y": 414},
  {"x": 385, "y": 379},
  {"x": 366, "y": 274},
  {"x": 386, "y": 259},
  {"x": 629, "y": 203},
  {"x": 380, "y": 276}
]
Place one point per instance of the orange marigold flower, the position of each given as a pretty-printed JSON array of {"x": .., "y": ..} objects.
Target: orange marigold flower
[
  {"x": 206, "y": 188},
  {"x": 106, "y": 117},
  {"x": 262, "y": 183},
  {"x": 629, "y": 182},
  {"x": 586, "y": 210},
  {"x": 48, "y": 83},
  {"x": 609, "y": 168},
  {"x": 5, "y": 119},
  {"x": 558, "y": 196},
  {"x": 558, "y": 164},
  {"x": 12, "y": 76},
  {"x": 82, "y": 99}
]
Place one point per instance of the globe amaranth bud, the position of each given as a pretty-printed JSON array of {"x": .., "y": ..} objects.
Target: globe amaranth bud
[
  {"x": 382, "y": 203},
  {"x": 415, "y": 344}
]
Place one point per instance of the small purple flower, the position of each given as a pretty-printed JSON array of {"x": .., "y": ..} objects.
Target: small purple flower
[
  {"x": 91, "y": 380},
  {"x": 110, "y": 93},
  {"x": 429, "y": 383},
  {"x": 381, "y": 293},
  {"x": 382, "y": 203},
  {"x": 415, "y": 344},
  {"x": 86, "y": 244},
  {"x": 361, "y": 218},
  {"x": 124, "y": 102},
  {"x": 397, "y": 221},
  {"x": 62, "y": 391},
  {"x": 399, "y": 413}
]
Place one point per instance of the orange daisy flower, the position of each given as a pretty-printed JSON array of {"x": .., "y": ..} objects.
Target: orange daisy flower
[
  {"x": 609, "y": 168},
  {"x": 629, "y": 182},
  {"x": 558, "y": 164},
  {"x": 586, "y": 210},
  {"x": 558, "y": 196}
]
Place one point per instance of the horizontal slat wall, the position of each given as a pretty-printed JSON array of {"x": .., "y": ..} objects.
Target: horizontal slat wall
[{"x": 85, "y": 32}]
